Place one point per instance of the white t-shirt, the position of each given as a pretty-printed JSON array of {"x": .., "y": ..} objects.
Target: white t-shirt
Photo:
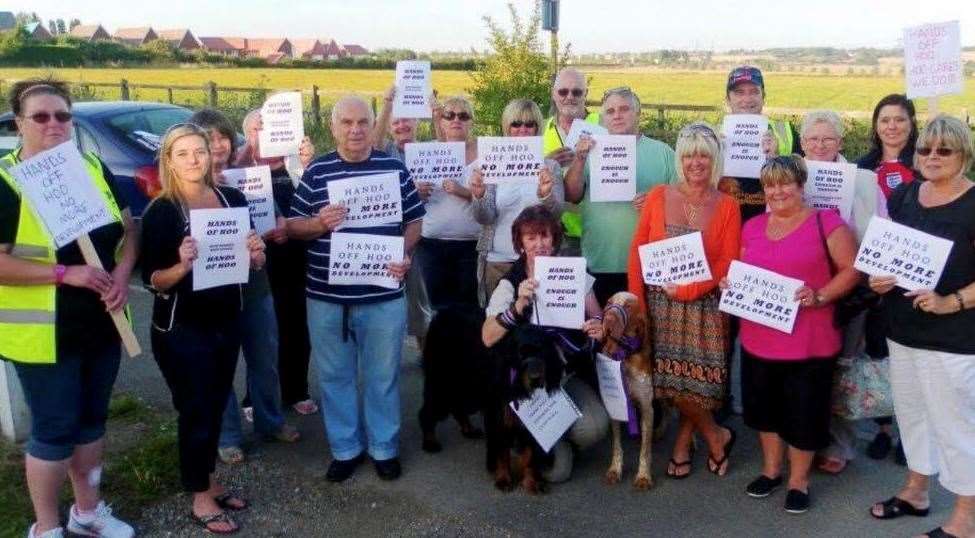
[
  {"x": 449, "y": 216},
  {"x": 510, "y": 199}
]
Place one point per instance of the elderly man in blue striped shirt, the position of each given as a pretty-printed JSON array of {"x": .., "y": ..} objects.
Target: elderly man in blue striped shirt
[{"x": 355, "y": 329}]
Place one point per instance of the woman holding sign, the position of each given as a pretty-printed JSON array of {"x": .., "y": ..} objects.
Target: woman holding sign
[
  {"x": 690, "y": 335},
  {"x": 787, "y": 378},
  {"x": 932, "y": 352},
  {"x": 195, "y": 333},
  {"x": 54, "y": 316},
  {"x": 497, "y": 205}
]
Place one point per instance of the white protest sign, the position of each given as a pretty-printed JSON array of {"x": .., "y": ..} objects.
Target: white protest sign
[
  {"x": 932, "y": 59},
  {"x": 761, "y": 296},
  {"x": 372, "y": 200},
  {"x": 61, "y": 193},
  {"x": 363, "y": 259},
  {"x": 546, "y": 416},
  {"x": 221, "y": 243},
  {"x": 560, "y": 298},
  {"x": 255, "y": 183},
  {"x": 283, "y": 126},
  {"x": 612, "y": 168},
  {"x": 916, "y": 258},
  {"x": 611, "y": 388},
  {"x": 675, "y": 260},
  {"x": 506, "y": 159},
  {"x": 578, "y": 129},
  {"x": 433, "y": 162},
  {"x": 831, "y": 185},
  {"x": 412, "y": 89},
  {"x": 743, "y": 155}
]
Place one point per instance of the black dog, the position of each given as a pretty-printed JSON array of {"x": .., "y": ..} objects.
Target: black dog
[
  {"x": 525, "y": 360},
  {"x": 456, "y": 366}
]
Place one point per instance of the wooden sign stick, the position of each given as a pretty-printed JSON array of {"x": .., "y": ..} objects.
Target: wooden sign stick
[{"x": 118, "y": 317}]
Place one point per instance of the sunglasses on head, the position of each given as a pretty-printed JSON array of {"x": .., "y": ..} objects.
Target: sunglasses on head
[
  {"x": 576, "y": 92},
  {"x": 942, "y": 152},
  {"x": 450, "y": 115},
  {"x": 44, "y": 117},
  {"x": 518, "y": 124}
]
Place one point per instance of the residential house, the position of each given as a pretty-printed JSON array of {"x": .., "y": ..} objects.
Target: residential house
[
  {"x": 135, "y": 36},
  {"x": 309, "y": 49},
  {"x": 89, "y": 32},
  {"x": 37, "y": 31},
  {"x": 271, "y": 49},
  {"x": 180, "y": 38},
  {"x": 226, "y": 46},
  {"x": 333, "y": 51},
  {"x": 355, "y": 50}
]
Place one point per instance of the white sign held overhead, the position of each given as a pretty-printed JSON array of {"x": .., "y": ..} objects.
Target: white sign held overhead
[
  {"x": 831, "y": 185},
  {"x": 363, "y": 259},
  {"x": 547, "y": 416},
  {"x": 283, "y": 126},
  {"x": 612, "y": 168},
  {"x": 761, "y": 296},
  {"x": 372, "y": 200},
  {"x": 675, "y": 260},
  {"x": 433, "y": 162},
  {"x": 916, "y": 258},
  {"x": 221, "y": 243},
  {"x": 743, "y": 155},
  {"x": 255, "y": 183},
  {"x": 932, "y": 59},
  {"x": 560, "y": 298},
  {"x": 506, "y": 159},
  {"x": 581, "y": 128},
  {"x": 412, "y": 89}
]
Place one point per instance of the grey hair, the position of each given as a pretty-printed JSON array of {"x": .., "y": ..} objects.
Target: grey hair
[
  {"x": 948, "y": 132},
  {"x": 822, "y": 116},
  {"x": 569, "y": 71},
  {"x": 348, "y": 100},
  {"x": 623, "y": 92}
]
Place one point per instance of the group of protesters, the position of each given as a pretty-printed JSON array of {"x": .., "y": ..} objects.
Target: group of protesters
[{"x": 470, "y": 242}]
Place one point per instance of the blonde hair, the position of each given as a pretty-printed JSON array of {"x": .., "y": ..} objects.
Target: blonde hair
[
  {"x": 521, "y": 109},
  {"x": 171, "y": 188},
  {"x": 783, "y": 170},
  {"x": 947, "y": 132},
  {"x": 699, "y": 138},
  {"x": 461, "y": 102}
]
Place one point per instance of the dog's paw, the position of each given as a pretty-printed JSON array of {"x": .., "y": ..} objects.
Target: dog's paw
[
  {"x": 643, "y": 483},
  {"x": 612, "y": 476}
]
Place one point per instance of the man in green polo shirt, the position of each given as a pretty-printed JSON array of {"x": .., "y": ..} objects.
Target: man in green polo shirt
[{"x": 607, "y": 227}]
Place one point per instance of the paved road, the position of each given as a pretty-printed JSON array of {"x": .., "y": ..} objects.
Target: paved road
[{"x": 449, "y": 494}]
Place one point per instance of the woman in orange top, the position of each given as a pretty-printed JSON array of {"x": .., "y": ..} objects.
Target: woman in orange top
[{"x": 690, "y": 335}]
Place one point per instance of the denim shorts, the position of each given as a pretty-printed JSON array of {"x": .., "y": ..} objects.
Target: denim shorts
[{"x": 68, "y": 400}]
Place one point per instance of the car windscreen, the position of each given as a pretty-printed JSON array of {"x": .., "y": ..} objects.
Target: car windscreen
[{"x": 144, "y": 128}]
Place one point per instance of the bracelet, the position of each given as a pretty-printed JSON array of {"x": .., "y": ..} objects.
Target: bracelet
[
  {"x": 59, "y": 271},
  {"x": 960, "y": 299}
]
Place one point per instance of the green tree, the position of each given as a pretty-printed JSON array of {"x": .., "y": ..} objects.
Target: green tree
[{"x": 517, "y": 68}]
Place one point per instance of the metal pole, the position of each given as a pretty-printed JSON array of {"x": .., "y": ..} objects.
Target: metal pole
[{"x": 555, "y": 51}]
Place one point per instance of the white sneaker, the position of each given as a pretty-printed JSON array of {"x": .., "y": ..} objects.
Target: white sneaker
[
  {"x": 57, "y": 532},
  {"x": 105, "y": 525}
]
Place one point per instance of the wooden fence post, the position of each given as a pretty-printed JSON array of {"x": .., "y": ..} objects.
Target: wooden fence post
[
  {"x": 660, "y": 115},
  {"x": 316, "y": 107},
  {"x": 124, "y": 89},
  {"x": 212, "y": 94},
  {"x": 169, "y": 94},
  {"x": 373, "y": 105}
]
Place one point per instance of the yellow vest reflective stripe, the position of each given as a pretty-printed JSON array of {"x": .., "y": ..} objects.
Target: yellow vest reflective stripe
[
  {"x": 27, "y": 313},
  {"x": 782, "y": 132},
  {"x": 551, "y": 141}
]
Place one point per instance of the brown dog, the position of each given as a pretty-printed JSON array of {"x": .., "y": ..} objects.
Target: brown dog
[{"x": 626, "y": 338}]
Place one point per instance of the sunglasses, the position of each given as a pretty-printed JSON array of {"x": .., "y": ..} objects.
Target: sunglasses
[
  {"x": 518, "y": 124},
  {"x": 576, "y": 92},
  {"x": 44, "y": 117},
  {"x": 450, "y": 115},
  {"x": 942, "y": 152}
]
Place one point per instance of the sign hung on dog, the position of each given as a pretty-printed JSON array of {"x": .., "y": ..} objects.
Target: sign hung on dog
[
  {"x": 255, "y": 183},
  {"x": 283, "y": 125},
  {"x": 831, "y": 186},
  {"x": 743, "y": 155},
  {"x": 433, "y": 162},
  {"x": 363, "y": 259},
  {"x": 560, "y": 298},
  {"x": 412, "y": 89},
  {"x": 916, "y": 258},
  {"x": 221, "y": 242},
  {"x": 547, "y": 416},
  {"x": 761, "y": 296},
  {"x": 506, "y": 159},
  {"x": 611, "y": 388},
  {"x": 372, "y": 200},
  {"x": 612, "y": 168},
  {"x": 675, "y": 260}
]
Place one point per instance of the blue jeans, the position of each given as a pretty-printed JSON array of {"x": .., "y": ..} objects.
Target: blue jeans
[
  {"x": 259, "y": 340},
  {"x": 372, "y": 350}
]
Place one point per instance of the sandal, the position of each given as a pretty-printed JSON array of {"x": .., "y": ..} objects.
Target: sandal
[
  {"x": 287, "y": 434},
  {"x": 230, "y": 501},
  {"x": 715, "y": 465},
  {"x": 677, "y": 465},
  {"x": 305, "y": 407},
  {"x": 895, "y": 507},
  {"x": 833, "y": 466},
  {"x": 231, "y": 455},
  {"x": 222, "y": 517},
  {"x": 939, "y": 533}
]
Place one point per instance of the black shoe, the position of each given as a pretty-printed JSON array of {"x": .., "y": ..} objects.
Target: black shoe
[
  {"x": 879, "y": 448},
  {"x": 899, "y": 457},
  {"x": 388, "y": 469},
  {"x": 796, "y": 502},
  {"x": 341, "y": 470},
  {"x": 763, "y": 486}
]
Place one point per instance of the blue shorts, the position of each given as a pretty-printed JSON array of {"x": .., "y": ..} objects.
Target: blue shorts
[{"x": 68, "y": 400}]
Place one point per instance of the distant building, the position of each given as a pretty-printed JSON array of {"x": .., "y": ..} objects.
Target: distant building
[
  {"x": 355, "y": 50},
  {"x": 135, "y": 36},
  {"x": 180, "y": 38},
  {"x": 333, "y": 51},
  {"x": 89, "y": 32},
  {"x": 268, "y": 48},
  {"x": 226, "y": 46},
  {"x": 37, "y": 31},
  {"x": 308, "y": 49}
]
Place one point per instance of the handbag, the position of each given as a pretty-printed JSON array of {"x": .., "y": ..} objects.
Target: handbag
[
  {"x": 860, "y": 299},
  {"x": 861, "y": 388}
]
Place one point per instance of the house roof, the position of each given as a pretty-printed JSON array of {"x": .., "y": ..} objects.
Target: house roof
[
  {"x": 224, "y": 43},
  {"x": 133, "y": 33},
  {"x": 31, "y": 26},
  {"x": 174, "y": 34},
  {"x": 266, "y": 47},
  {"x": 86, "y": 31},
  {"x": 355, "y": 50},
  {"x": 307, "y": 46}
]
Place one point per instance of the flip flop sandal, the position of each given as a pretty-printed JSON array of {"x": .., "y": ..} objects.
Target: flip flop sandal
[
  {"x": 715, "y": 465},
  {"x": 895, "y": 507},
  {"x": 939, "y": 533},
  {"x": 230, "y": 501},
  {"x": 833, "y": 466},
  {"x": 222, "y": 517},
  {"x": 677, "y": 465}
]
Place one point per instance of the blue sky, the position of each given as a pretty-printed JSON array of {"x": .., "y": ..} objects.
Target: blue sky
[{"x": 591, "y": 26}]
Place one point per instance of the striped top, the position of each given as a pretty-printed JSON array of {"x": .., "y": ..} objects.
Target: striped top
[{"x": 312, "y": 195}]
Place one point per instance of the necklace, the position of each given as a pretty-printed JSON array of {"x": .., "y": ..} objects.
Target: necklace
[{"x": 692, "y": 210}]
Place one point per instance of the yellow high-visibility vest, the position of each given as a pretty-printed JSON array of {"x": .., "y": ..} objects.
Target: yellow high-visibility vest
[
  {"x": 551, "y": 141},
  {"x": 27, "y": 313},
  {"x": 782, "y": 133}
]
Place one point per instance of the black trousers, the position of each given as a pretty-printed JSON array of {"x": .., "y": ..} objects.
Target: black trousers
[
  {"x": 286, "y": 271},
  {"x": 449, "y": 271},
  {"x": 198, "y": 364}
]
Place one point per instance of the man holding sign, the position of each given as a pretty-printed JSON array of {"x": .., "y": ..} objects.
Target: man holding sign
[
  {"x": 355, "y": 327},
  {"x": 55, "y": 325}
]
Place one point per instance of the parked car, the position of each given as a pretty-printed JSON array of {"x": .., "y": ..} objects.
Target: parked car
[{"x": 125, "y": 134}]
